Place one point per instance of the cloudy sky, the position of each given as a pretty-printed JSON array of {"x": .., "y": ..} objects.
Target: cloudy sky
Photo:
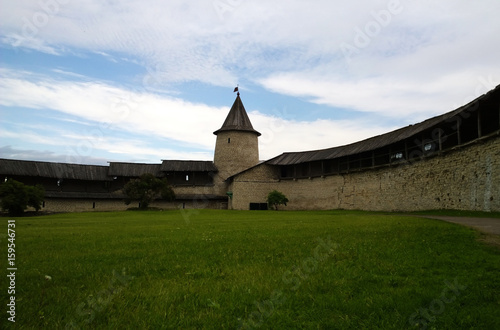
[{"x": 95, "y": 81}]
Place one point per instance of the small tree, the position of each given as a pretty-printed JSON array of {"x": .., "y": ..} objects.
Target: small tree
[
  {"x": 276, "y": 198},
  {"x": 146, "y": 188},
  {"x": 36, "y": 196},
  {"x": 16, "y": 197}
]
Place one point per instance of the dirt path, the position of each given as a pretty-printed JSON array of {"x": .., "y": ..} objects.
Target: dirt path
[{"x": 486, "y": 225}]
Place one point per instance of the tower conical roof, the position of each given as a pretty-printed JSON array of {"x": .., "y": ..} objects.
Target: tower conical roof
[{"x": 237, "y": 119}]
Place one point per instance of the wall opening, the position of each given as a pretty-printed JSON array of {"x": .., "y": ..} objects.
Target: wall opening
[
  {"x": 258, "y": 206},
  {"x": 397, "y": 156}
]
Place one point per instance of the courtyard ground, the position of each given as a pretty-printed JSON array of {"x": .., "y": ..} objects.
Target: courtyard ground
[
  {"x": 241, "y": 269},
  {"x": 487, "y": 225}
]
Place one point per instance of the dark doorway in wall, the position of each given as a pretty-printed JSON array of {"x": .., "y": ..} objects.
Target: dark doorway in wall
[{"x": 258, "y": 206}]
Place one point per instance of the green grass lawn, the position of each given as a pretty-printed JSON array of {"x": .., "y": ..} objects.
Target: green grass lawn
[{"x": 249, "y": 269}]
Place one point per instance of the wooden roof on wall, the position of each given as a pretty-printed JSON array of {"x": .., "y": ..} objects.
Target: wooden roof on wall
[
  {"x": 133, "y": 169},
  {"x": 188, "y": 166},
  {"x": 99, "y": 173},
  {"x": 380, "y": 141},
  {"x": 53, "y": 170}
]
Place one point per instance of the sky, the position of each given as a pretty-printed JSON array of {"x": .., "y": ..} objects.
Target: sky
[{"x": 97, "y": 81}]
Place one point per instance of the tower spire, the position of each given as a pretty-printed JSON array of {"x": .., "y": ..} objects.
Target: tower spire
[
  {"x": 237, "y": 145},
  {"x": 237, "y": 119}
]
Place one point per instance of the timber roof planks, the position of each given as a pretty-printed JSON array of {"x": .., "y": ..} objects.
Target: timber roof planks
[
  {"x": 134, "y": 170},
  {"x": 99, "y": 173},
  {"x": 380, "y": 141},
  {"x": 54, "y": 170},
  {"x": 188, "y": 166}
]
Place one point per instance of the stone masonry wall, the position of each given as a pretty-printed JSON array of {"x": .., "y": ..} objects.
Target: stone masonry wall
[
  {"x": 99, "y": 205},
  {"x": 465, "y": 178},
  {"x": 235, "y": 151},
  {"x": 199, "y": 199},
  {"x": 82, "y": 205}
]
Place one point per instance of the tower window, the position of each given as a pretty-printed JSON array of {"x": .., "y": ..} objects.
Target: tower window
[
  {"x": 187, "y": 177},
  {"x": 228, "y": 140}
]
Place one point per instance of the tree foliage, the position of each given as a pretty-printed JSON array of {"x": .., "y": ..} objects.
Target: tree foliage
[
  {"x": 147, "y": 188},
  {"x": 16, "y": 197},
  {"x": 276, "y": 198}
]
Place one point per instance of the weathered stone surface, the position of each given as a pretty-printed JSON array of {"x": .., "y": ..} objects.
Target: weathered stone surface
[
  {"x": 465, "y": 178},
  {"x": 90, "y": 205},
  {"x": 235, "y": 151}
]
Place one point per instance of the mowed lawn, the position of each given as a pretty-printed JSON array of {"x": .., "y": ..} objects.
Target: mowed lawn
[{"x": 212, "y": 269}]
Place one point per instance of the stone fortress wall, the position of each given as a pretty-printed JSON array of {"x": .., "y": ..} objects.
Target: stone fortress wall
[
  {"x": 100, "y": 205},
  {"x": 450, "y": 161},
  {"x": 463, "y": 178}
]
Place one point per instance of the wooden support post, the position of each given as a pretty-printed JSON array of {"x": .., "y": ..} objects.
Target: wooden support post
[
  {"x": 406, "y": 149},
  {"x": 479, "y": 133},
  {"x": 440, "y": 140}
]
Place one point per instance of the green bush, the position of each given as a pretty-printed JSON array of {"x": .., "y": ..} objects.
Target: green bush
[
  {"x": 276, "y": 198},
  {"x": 16, "y": 197},
  {"x": 147, "y": 188}
]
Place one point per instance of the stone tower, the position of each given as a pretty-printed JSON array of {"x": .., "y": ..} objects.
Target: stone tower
[{"x": 237, "y": 146}]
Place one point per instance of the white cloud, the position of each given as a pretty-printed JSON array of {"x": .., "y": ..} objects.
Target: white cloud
[
  {"x": 144, "y": 117},
  {"x": 411, "y": 99},
  {"x": 111, "y": 106},
  {"x": 9, "y": 152},
  {"x": 425, "y": 59},
  {"x": 35, "y": 44},
  {"x": 280, "y": 135},
  {"x": 218, "y": 44},
  {"x": 191, "y": 41},
  {"x": 78, "y": 147}
]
